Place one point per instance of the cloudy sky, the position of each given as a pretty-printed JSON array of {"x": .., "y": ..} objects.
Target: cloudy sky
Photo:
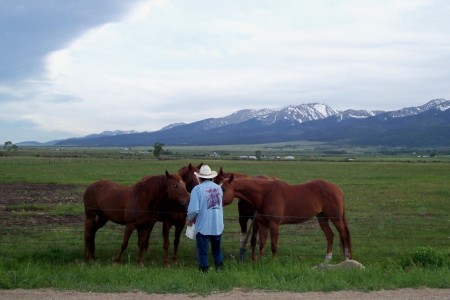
[{"x": 72, "y": 68}]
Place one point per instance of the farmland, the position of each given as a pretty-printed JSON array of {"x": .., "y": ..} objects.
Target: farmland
[{"x": 396, "y": 208}]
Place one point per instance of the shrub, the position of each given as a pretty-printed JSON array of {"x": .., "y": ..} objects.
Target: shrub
[{"x": 425, "y": 257}]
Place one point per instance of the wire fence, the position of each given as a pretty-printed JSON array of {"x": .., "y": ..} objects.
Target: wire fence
[{"x": 380, "y": 236}]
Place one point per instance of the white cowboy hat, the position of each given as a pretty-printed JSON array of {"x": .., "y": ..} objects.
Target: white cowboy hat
[{"x": 205, "y": 172}]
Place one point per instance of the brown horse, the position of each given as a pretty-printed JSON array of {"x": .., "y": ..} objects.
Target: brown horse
[
  {"x": 246, "y": 209},
  {"x": 188, "y": 176},
  {"x": 135, "y": 206},
  {"x": 279, "y": 203},
  {"x": 174, "y": 214}
]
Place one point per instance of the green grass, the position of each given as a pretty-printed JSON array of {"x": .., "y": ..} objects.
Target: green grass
[
  {"x": 397, "y": 213},
  {"x": 50, "y": 209}
]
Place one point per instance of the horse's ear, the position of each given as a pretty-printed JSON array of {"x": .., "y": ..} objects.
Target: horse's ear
[
  {"x": 167, "y": 174},
  {"x": 190, "y": 166},
  {"x": 221, "y": 171},
  {"x": 200, "y": 165},
  {"x": 231, "y": 178}
]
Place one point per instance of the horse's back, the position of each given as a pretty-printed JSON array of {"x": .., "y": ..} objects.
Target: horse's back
[
  {"x": 91, "y": 193},
  {"x": 106, "y": 196},
  {"x": 326, "y": 186},
  {"x": 307, "y": 200},
  {"x": 331, "y": 195}
]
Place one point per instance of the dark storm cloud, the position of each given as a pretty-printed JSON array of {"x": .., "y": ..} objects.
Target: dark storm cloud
[{"x": 30, "y": 29}]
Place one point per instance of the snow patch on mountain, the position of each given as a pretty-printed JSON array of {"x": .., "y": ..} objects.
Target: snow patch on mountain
[{"x": 441, "y": 104}]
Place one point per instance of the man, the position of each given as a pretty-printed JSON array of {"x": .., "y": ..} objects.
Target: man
[{"x": 206, "y": 211}]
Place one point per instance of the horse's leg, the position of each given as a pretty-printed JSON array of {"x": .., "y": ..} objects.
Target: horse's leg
[
  {"x": 323, "y": 222},
  {"x": 89, "y": 236},
  {"x": 92, "y": 224},
  {"x": 274, "y": 230},
  {"x": 254, "y": 238},
  {"x": 142, "y": 232},
  {"x": 176, "y": 242},
  {"x": 143, "y": 239},
  {"x": 166, "y": 242},
  {"x": 263, "y": 233},
  {"x": 126, "y": 237},
  {"x": 343, "y": 235},
  {"x": 349, "y": 238},
  {"x": 243, "y": 220}
]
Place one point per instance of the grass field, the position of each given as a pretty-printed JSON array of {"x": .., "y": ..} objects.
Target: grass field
[{"x": 396, "y": 209}]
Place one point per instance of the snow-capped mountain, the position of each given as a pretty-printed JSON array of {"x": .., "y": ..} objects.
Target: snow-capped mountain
[
  {"x": 293, "y": 113},
  {"x": 428, "y": 124},
  {"x": 313, "y": 112},
  {"x": 298, "y": 113},
  {"x": 236, "y": 118},
  {"x": 110, "y": 133},
  {"x": 441, "y": 104},
  {"x": 170, "y": 126}
]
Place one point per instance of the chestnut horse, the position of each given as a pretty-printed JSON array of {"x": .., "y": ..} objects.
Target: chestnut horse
[
  {"x": 135, "y": 206},
  {"x": 246, "y": 209},
  {"x": 188, "y": 176},
  {"x": 279, "y": 203},
  {"x": 174, "y": 214}
]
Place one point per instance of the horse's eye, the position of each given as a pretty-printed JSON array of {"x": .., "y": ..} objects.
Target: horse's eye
[{"x": 175, "y": 185}]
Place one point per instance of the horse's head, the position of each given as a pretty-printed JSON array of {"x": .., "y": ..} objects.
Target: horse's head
[
  {"x": 228, "y": 190},
  {"x": 188, "y": 176},
  {"x": 220, "y": 177},
  {"x": 176, "y": 189}
]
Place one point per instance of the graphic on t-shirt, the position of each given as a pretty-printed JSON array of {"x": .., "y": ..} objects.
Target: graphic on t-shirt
[{"x": 212, "y": 198}]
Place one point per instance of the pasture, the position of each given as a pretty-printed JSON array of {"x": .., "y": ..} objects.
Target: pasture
[{"x": 396, "y": 210}]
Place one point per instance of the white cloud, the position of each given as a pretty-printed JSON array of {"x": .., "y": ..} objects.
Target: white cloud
[{"x": 172, "y": 61}]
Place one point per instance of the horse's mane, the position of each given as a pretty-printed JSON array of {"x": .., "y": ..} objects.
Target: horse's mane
[
  {"x": 183, "y": 171},
  {"x": 149, "y": 187}
]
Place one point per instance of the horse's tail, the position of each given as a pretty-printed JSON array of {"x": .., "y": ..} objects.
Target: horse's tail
[{"x": 348, "y": 239}]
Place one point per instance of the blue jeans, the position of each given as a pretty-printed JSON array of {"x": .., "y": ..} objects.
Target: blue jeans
[{"x": 203, "y": 242}]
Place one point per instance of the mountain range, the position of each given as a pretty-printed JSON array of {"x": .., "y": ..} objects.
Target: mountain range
[{"x": 427, "y": 125}]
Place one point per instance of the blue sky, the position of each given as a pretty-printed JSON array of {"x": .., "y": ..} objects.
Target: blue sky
[{"x": 72, "y": 68}]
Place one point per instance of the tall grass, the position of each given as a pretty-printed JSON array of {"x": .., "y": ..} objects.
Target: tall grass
[{"x": 394, "y": 210}]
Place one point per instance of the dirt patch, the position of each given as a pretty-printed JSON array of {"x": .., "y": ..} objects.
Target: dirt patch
[
  {"x": 401, "y": 294},
  {"x": 31, "y": 193},
  {"x": 29, "y": 196}
]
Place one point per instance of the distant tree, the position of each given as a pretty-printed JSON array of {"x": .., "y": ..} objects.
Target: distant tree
[
  {"x": 158, "y": 149},
  {"x": 258, "y": 155},
  {"x": 10, "y": 146}
]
